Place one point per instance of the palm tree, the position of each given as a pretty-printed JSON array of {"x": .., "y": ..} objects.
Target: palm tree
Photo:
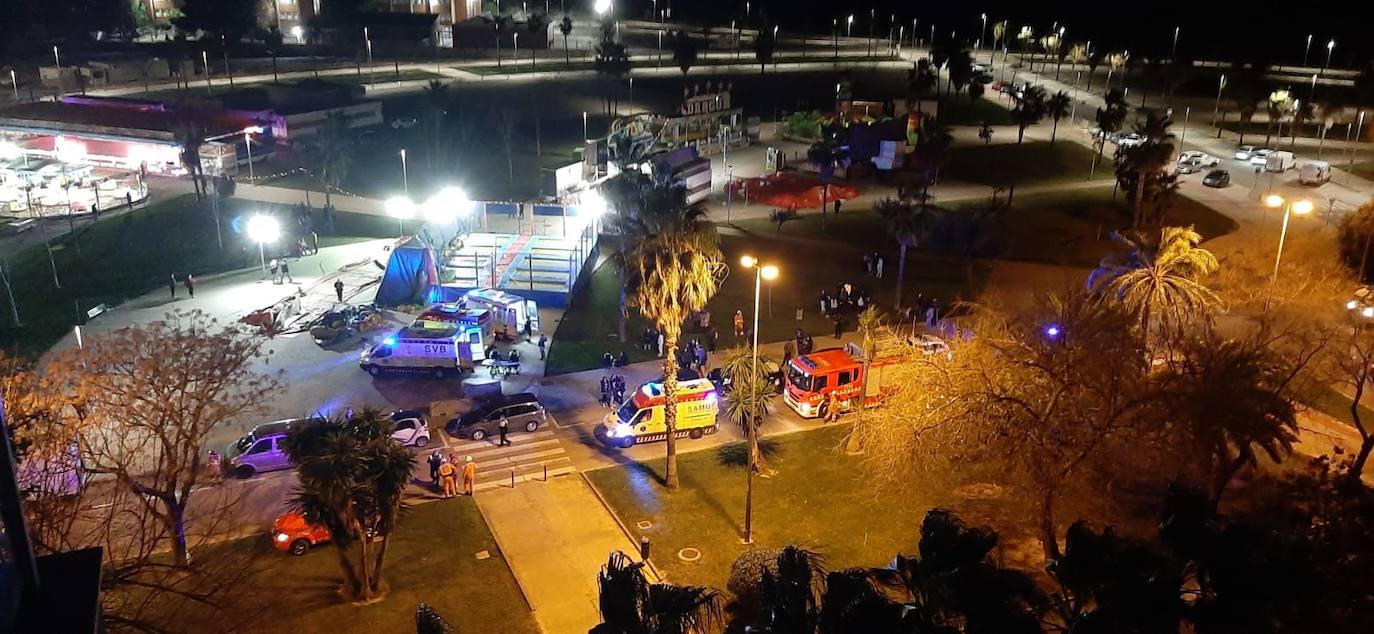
[
  {"x": 629, "y": 604},
  {"x": 1230, "y": 399},
  {"x": 1095, "y": 59},
  {"x": 960, "y": 67},
  {"x": 434, "y": 109},
  {"x": 907, "y": 223},
  {"x": 1057, "y": 107},
  {"x": 565, "y": 26},
  {"x": 1109, "y": 121},
  {"x": 1140, "y": 165},
  {"x": 933, "y": 151},
  {"x": 790, "y": 591},
  {"x": 920, "y": 81},
  {"x": 674, "y": 269},
  {"x": 751, "y": 393},
  {"x": 1159, "y": 281},
  {"x": 764, "y": 46},
  {"x": 352, "y": 477},
  {"x": 954, "y": 584},
  {"x": 1276, "y": 105},
  {"x": 1332, "y": 109},
  {"x": 1108, "y": 583},
  {"x": 1028, "y": 111},
  {"x": 330, "y": 152},
  {"x": 1302, "y": 113}
]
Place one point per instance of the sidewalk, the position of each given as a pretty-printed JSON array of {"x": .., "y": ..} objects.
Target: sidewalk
[{"x": 555, "y": 537}]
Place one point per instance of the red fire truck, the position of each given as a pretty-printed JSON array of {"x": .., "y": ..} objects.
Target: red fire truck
[{"x": 810, "y": 378}]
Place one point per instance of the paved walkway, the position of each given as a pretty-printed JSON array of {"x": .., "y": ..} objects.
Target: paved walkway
[{"x": 556, "y": 536}]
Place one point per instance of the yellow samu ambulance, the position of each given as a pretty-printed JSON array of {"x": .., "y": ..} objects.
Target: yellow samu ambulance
[{"x": 640, "y": 418}]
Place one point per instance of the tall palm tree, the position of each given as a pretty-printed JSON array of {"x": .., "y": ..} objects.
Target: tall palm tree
[
  {"x": 565, "y": 26},
  {"x": 674, "y": 269},
  {"x": 1028, "y": 111},
  {"x": 1159, "y": 281},
  {"x": 433, "y": 111},
  {"x": 1230, "y": 399},
  {"x": 790, "y": 591},
  {"x": 1142, "y": 165},
  {"x": 933, "y": 151},
  {"x": 1109, "y": 118},
  {"x": 751, "y": 395},
  {"x": 1057, "y": 107},
  {"x": 960, "y": 67},
  {"x": 907, "y": 223},
  {"x": 351, "y": 479},
  {"x": 629, "y": 604},
  {"x": 920, "y": 81}
]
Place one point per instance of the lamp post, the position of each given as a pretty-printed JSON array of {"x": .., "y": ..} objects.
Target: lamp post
[
  {"x": 1290, "y": 207},
  {"x": 405, "y": 175},
  {"x": 835, "y": 36},
  {"x": 1173, "y": 52},
  {"x": 14, "y": 81},
  {"x": 248, "y": 143},
  {"x": 1307, "y": 49},
  {"x": 401, "y": 208},
  {"x": 729, "y": 191},
  {"x": 1216, "y": 108},
  {"x": 205, "y": 61},
  {"x": 55, "y": 58},
  {"x": 983, "y": 33},
  {"x": 761, "y": 272},
  {"x": 849, "y": 26},
  {"x": 1331, "y": 45},
  {"x": 367, "y": 39},
  {"x": 263, "y": 229},
  {"x": 584, "y": 127}
]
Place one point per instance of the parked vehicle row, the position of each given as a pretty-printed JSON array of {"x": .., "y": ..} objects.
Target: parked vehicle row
[{"x": 262, "y": 449}]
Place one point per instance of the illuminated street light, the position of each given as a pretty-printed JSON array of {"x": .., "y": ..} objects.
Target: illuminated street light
[
  {"x": 1290, "y": 207},
  {"x": 446, "y": 206},
  {"x": 405, "y": 176},
  {"x": 263, "y": 229},
  {"x": 602, "y": 7},
  {"x": 849, "y": 26},
  {"x": 248, "y": 143},
  {"x": 402, "y": 209},
  {"x": 764, "y": 272},
  {"x": 1329, "y": 47}
]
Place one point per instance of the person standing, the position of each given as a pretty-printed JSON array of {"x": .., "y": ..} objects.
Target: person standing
[
  {"x": 789, "y": 350},
  {"x": 448, "y": 474},
  {"x": 503, "y": 429},
  {"x": 435, "y": 461},
  {"x": 274, "y": 267},
  {"x": 825, "y": 304},
  {"x": 714, "y": 335},
  {"x": 543, "y": 342},
  {"x": 739, "y": 325},
  {"x": 191, "y": 285},
  {"x": 837, "y": 206},
  {"x": 338, "y": 290},
  {"x": 172, "y": 284},
  {"x": 868, "y": 264},
  {"x": 839, "y": 327},
  {"x": 879, "y": 267},
  {"x": 832, "y": 407},
  {"x": 469, "y": 475},
  {"x": 660, "y": 345},
  {"x": 286, "y": 272}
]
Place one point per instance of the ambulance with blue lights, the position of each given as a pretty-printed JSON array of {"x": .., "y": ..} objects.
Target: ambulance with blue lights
[
  {"x": 447, "y": 349},
  {"x": 640, "y": 418},
  {"x": 809, "y": 379}
]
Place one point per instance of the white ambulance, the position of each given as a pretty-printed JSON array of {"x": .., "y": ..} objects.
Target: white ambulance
[
  {"x": 640, "y": 418},
  {"x": 437, "y": 351},
  {"x": 509, "y": 311}
]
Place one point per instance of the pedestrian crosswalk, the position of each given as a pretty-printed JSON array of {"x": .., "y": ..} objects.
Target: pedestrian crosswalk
[{"x": 530, "y": 458}]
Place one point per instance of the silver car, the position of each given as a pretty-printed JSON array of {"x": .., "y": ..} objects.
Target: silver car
[{"x": 262, "y": 449}]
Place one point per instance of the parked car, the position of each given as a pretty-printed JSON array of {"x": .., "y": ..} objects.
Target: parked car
[
  {"x": 1362, "y": 303},
  {"x": 1244, "y": 152},
  {"x": 1130, "y": 140},
  {"x": 1217, "y": 178},
  {"x": 1189, "y": 167},
  {"x": 1314, "y": 172},
  {"x": 410, "y": 428},
  {"x": 522, "y": 410},
  {"x": 291, "y": 533},
  {"x": 930, "y": 344},
  {"x": 261, "y": 449},
  {"x": 403, "y": 123},
  {"x": 1260, "y": 157},
  {"x": 1201, "y": 158}
]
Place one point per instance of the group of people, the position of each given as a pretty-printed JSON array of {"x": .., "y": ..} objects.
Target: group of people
[
  {"x": 611, "y": 361},
  {"x": 281, "y": 271},
  {"x": 693, "y": 355},
  {"x": 652, "y": 341},
  {"x": 189, "y": 281},
  {"x": 847, "y": 297},
  {"x": 873, "y": 264},
  {"x": 800, "y": 343},
  {"x": 444, "y": 473},
  {"x": 612, "y": 390},
  {"x": 927, "y": 310}
]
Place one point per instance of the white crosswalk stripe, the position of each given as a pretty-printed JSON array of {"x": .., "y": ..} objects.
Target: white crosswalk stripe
[{"x": 528, "y": 458}]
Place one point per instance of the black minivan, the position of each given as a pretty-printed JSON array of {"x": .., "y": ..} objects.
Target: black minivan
[{"x": 522, "y": 410}]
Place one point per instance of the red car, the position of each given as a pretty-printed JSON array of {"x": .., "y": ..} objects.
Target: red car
[{"x": 291, "y": 533}]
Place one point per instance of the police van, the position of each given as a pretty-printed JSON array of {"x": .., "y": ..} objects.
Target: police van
[
  {"x": 640, "y": 417},
  {"x": 438, "y": 351}
]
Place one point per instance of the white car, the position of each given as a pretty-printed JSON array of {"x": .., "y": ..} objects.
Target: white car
[
  {"x": 1130, "y": 140},
  {"x": 1260, "y": 157},
  {"x": 929, "y": 344},
  {"x": 1244, "y": 152},
  {"x": 410, "y": 428},
  {"x": 1189, "y": 167},
  {"x": 1203, "y": 159}
]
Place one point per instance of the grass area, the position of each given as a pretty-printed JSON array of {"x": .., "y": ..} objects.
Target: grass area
[
  {"x": 808, "y": 265},
  {"x": 1031, "y": 163},
  {"x": 380, "y": 74},
  {"x": 819, "y": 498},
  {"x": 121, "y": 257},
  {"x": 1363, "y": 169},
  {"x": 960, "y": 110},
  {"x": 1072, "y": 227},
  {"x": 431, "y": 560}
]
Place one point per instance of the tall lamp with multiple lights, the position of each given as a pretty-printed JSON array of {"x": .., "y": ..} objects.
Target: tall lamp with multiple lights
[{"x": 761, "y": 272}]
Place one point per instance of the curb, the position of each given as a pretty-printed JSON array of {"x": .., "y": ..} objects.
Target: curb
[{"x": 658, "y": 576}]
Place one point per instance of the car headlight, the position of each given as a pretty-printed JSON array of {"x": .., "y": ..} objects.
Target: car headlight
[{"x": 282, "y": 537}]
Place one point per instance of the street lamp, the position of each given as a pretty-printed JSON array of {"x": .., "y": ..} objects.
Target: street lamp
[
  {"x": 14, "y": 81},
  {"x": 56, "y": 58},
  {"x": 1173, "y": 52},
  {"x": 761, "y": 272},
  {"x": 1221, "y": 83},
  {"x": 1290, "y": 207},
  {"x": 983, "y": 33},
  {"x": 584, "y": 126},
  {"x": 849, "y": 26},
  {"x": 1307, "y": 49},
  {"x": 263, "y": 229},
  {"x": 602, "y": 7},
  {"x": 1329, "y": 46},
  {"x": 248, "y": 143},
  {"x": 402, "y": 209},
  {"x": 405, "y": 175}
]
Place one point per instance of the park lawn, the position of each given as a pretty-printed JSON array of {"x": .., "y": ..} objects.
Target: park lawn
[
  {"x": 1031, "y": 163},
  {"x": 1073, "y": 227},
  {"x": 960, "y": 110},
  {"x": 1364, "y": 169},
  {"x": 125, "y": 256},
  {"x": 808, "y": 266},
  {"x": 432, "y": 559}
]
